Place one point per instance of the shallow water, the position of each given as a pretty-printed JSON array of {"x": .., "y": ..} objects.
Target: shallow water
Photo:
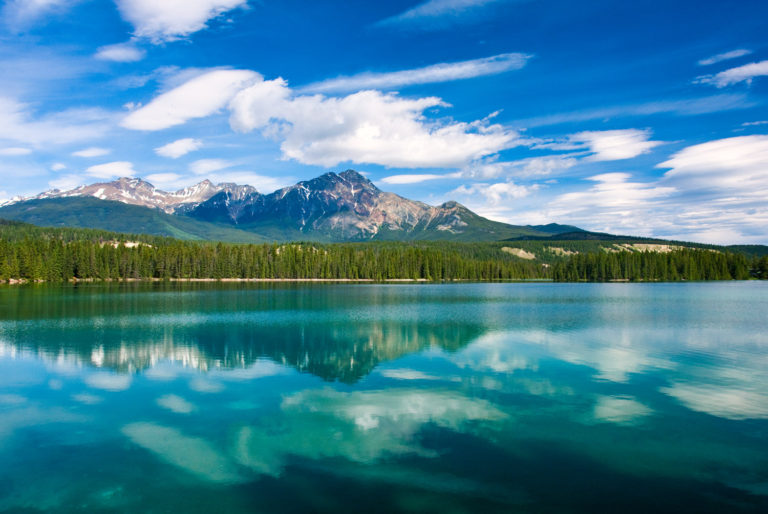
[{"x": 382, "y": 398}]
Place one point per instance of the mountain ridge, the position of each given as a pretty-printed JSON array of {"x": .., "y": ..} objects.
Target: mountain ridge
[{"x": 331, "y": 207}]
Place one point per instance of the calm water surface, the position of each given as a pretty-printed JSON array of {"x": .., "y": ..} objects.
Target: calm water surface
[{"x": 383, "y": 398}]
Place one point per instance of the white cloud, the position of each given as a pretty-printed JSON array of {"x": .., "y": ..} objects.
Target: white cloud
[
  {"x": 200, "y": 97},
  {"x": 614, "y": 145},
  {"x": 721, "y": 401},
  {"x": 166, "y": 180},
  {"x": 418, "y": 178},
  {"x": 620, "y": 410},
  {"x": 442, "y": 72},
  {"x": 121, "y": 52},
  {"x": 93, "y": 151},
  {"x": 176, "y": 404},
  {"x": 14, "y": 151},
  {"x": 733, "y": 54},
  {"x": 530, "y": 167},
  {"x": 734, "y": 164},
  {"x": 735, "y": 75},
  {"x": 495, "y": 194},
  {"x": 179, "y": 147},
  {"x": 169, "y": 20},
  {"x": 262, "y": 183},
  {"x": 368, "y": 127},
  {"x": 67, "y": 182},
  {"x": 22, "y": 13},
  {"x": 58, "y": 166},
  {"x": 204, "y": 166},
  {"x": 17, "y": 123},
  {"x": 436, "y": 9},
  {"x": 614, "y": 192},
  {"x": 688, "y": 107},
  {"x": 754, "y": 123},
  {"x": 191, "y": 454},
  {"x": 109, "y": 381},
  {"x": 111, "y": 170}
]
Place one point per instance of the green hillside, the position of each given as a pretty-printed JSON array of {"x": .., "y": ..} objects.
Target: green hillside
[{"x": 88, "y": 212}]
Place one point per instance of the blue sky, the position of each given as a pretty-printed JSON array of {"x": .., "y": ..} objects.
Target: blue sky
[{"x": 644, "y": 118}]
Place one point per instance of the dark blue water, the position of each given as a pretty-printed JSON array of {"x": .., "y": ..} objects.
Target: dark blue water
[{"x": 383, "y": 398}]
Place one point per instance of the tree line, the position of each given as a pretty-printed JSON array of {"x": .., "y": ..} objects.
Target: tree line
[
  {"x": 31, "y": 253},
  {"x": 683, "y": 264}
]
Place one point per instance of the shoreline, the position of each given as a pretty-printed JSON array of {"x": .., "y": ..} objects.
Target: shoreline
[{"x": 16, "y": 282}]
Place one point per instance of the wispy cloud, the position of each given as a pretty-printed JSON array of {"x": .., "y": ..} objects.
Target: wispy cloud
[
  {"x": 111, "y": 170},
  {"x": 735, "y": 75},
  {"x": 180, "y": 147},
  {"x": 495, "y": 194},
  {"x": 733, "y": 54},
  {"x": 20, "y": 14},
  {"x": 205, "y": 166},
  {"x": 437, "y": 9},
  {"x": 169, "y": 20},
  {"x": 615, "y": 145},
  {"x": 197, "y": 98},
  {"x": 417, "y": 178},
  {"x": 121, "y": 52},
  {"x": 93, "y": 151},
  {"x": 14, "y": 151},
  {"x": 736, "y": 163},
  {"x": 442, "y": 72},
  {"x": 686, "y": 107},
  {"x": 18, "y": 123}
]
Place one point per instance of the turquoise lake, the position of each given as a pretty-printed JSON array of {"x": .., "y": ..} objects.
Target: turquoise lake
[{"x": 521, "y": 397}]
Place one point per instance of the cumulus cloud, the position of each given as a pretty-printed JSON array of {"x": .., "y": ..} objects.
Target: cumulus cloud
[
  {"x": 364, "y": 127},
  {"x": 14, "y": 151},
  {"x": 111, "y": 170},
  {"x": 121, "y": 52},
  {"x": 179, "y": 147},
  {"x": 58, "y": 166},
  {"x": 199, "y": 97},
  {"x": 735, "y": 75},
  {"x": 733, "y": 54},
  {"x": 711, "y": 192},
  {"x": 93, "y": 151},
  {"x": 169, "y": 20},
  {"x": 442, "y": 72},
  {"x": 614, "y": 145}
]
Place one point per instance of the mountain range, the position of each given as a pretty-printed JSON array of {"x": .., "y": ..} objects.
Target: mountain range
[{"x": 332, "y": 207}]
